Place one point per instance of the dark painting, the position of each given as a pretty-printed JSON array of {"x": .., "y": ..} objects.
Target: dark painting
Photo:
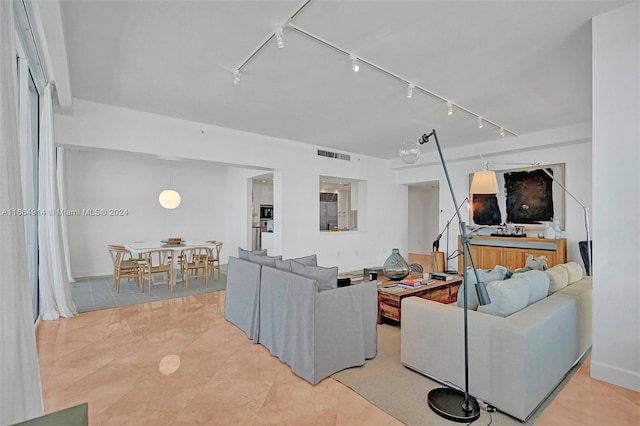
[
  {"x": 529, "y": 196},
  {"x": 486, "y": 210}
]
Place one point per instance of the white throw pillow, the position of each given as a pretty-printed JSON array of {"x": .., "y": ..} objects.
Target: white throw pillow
[
  {"x": 507, "y": 297},
  {"x": 574, "y": 270},
  {"x": 538, "y": 283},
  {"x": 327, "y": 277},
  {"x": 558, "y": 278},
  {"x": 486, "y": 276}
]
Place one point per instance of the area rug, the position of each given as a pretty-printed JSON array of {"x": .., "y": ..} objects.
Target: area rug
[
  {"x": 99, "y": 293},
  {"x": 402, "y": 393}
]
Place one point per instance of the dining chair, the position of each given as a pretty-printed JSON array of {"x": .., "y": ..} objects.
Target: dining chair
[
  {"x": 214, "y": 257},
  {"x": 158, "y": 268},
  {"x": 124, "y": 266},
  {"x": 195, "y": 264}
]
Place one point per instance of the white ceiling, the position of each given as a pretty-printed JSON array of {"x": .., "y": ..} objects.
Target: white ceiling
[{"x": 525, "y": 65}]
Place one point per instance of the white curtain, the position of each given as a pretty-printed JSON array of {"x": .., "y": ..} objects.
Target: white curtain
[
  {"x": 20, "y": 388},
  {"x": 55, "y": 290},
  {"x": 62, "y": 192}
]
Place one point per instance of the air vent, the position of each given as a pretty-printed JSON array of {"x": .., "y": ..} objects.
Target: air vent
[{"x": 336, "y": 155}]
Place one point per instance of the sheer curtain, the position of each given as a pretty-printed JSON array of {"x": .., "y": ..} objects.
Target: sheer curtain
[
  {"x": 62, "y": 192},
  {"x": 20, "y": 388},
  {"x": 55, "y": 291}
]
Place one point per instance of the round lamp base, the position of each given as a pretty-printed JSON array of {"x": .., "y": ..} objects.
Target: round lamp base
[{"x": 448, "y": 403}]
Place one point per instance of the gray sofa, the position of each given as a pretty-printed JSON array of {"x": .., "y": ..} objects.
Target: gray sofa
[
  {"x": 317, "y": 333},
  {"x": 516, "y": 361}
]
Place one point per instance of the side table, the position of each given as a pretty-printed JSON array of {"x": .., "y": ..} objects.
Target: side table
[{"x": 390, "y": 297}]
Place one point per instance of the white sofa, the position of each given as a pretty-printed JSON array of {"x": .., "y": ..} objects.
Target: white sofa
[
  {"x": 316, "y": 332},
  {"x": 516, "y": 361}
]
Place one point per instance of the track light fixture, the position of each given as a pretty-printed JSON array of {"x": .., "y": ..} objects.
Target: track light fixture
[
  {"x": 410, "y": 90},
  {"x": 355, "y": 66},
  {"x": 354, "y": 63}
]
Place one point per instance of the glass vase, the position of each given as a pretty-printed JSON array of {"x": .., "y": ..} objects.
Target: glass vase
[{"x": 395, "y": 267}]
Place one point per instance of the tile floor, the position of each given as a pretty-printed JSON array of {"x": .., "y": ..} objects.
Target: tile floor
[{"x": 178, "y": 362}]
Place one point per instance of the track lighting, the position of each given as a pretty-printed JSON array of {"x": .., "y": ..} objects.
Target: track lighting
[
  {"x": 354, "y": 63},
  {"x": 355, "y": 66},
  {"x": 280, "y": 38},
  {"x": 410, "y": 90}
]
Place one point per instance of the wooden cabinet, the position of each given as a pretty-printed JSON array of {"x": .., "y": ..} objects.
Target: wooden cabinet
[{"x": 512, "y": 252}]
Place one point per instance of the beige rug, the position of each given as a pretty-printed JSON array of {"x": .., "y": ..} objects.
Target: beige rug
[{"x": 402, "y": 392}]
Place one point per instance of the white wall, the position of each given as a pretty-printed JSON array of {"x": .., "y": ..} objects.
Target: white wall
[
  {"x": 616, "y": 188},
  {"x": 241, "y": 155},
  {"x": 130, "y": 184},
  {"x": 566, "y": 145},
  {"x": 423, "y": 218}
]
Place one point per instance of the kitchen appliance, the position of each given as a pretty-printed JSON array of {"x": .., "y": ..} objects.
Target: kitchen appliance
[{"x": 266, "y": 211}]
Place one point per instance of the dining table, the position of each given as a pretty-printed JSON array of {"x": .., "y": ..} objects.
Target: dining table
[{"x": 138, "y": 248}]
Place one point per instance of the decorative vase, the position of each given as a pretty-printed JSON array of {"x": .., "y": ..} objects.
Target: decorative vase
[
  {"x": 556, "y": 228},
  {"x": 395, "y": 267},
  {"x": 549, "y": 233}
]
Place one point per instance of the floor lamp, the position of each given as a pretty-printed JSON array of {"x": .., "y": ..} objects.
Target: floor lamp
[{"x": 450, "y": 403}]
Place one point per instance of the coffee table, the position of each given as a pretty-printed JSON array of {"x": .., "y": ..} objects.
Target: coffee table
[{"x": 390, "y": 297}]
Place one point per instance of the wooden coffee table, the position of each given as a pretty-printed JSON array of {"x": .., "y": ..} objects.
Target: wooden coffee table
[{"x": 390, "y": 300}]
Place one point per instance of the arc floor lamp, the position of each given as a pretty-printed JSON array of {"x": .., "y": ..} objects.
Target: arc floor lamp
[{"x": 447, "y": 402}]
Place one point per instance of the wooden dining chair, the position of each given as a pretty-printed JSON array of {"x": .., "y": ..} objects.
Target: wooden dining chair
[
  {"x": 124, "y": 266},
  {"x": 214, "y": 257},
  {"x": 195, "y": 264},
  {"x": 158, "y": 268}
]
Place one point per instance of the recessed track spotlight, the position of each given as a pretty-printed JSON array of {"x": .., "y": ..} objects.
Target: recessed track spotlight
[
  {"x": 236, "y": 77},
  {"x": 280, "y": 38},
  {"x": 480, "y": 124},
  {"x": 410, "y": 90},
  {"x": 354, "y": 63},
  {"x": 449, "y": 108},
  {"x": 502, "y": 131}
]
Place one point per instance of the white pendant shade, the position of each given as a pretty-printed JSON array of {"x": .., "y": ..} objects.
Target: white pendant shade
[
  {"x": 484, "y": 182},
  {"x": 169, "y": 199}
]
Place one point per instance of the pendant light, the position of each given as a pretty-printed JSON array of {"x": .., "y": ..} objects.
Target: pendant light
[{"x": 169, "y": 198}]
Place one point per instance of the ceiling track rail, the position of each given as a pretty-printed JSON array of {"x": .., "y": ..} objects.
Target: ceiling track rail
[{"x": 290, "y": 25}]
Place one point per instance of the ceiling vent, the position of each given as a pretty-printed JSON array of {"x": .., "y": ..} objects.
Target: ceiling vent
[{"x": 336, "y": 155}]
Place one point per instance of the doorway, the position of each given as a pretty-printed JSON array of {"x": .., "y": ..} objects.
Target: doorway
[{"x": 423, "y": 221}]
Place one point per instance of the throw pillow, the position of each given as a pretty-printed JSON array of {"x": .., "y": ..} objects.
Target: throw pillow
[
  {"x": 486, "y": 276},
  {"x": 244, "y": 254},
  {"x": 507, "y": 297},
  {"x": 284, "y": 265},
  {"x": 311, "y": 260},
  {"x": 574, "y": 270},
  {"x": 539, "y": 262},
  {"x": 327, "y": 278},
  {"x": 558, "y": 278},
  {"x": 538, "y": 283},
  {"x": 264, "y": 259}
]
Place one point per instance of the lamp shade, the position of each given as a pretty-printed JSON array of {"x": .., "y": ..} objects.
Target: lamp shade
[
  {"x": 169, "y": 199},
  {"x": 484, "y": 182}
]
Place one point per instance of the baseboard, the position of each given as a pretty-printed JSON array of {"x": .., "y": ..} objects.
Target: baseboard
[{"x": 615, "y": 375}]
